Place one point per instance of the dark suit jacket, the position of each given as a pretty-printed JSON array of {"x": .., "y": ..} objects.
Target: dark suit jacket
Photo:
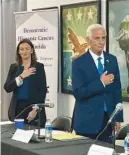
[
  {"x": 36, "y": 87},
  {"x": 90, "y": 93}
]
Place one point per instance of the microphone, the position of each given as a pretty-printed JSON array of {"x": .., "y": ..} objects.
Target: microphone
[
  {"x": 49, "y": 105},
  {"x": 37, "y": 106},
  {"x": 40, "y": 106},
  {"x": 118, "y": 108}
]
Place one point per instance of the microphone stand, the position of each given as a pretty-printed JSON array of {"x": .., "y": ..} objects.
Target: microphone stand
[
  {"x": 39, "y": 110},
  {"x": 113, "y": 133}
]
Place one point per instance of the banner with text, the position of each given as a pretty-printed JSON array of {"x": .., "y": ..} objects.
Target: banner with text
[{"x": 41, "y": 27}]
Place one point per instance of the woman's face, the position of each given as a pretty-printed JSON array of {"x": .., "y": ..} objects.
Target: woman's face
[{"x": 25, "y": 51}]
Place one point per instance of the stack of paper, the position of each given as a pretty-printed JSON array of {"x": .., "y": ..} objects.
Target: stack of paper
[
  {"x": 67, "y": 137},
  {"x": 61, "y": 135}
]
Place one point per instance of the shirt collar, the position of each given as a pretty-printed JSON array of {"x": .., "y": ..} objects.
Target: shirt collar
[{"x": 95, "y": 57}]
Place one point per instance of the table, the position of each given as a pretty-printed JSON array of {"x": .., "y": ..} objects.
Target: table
[{"x": 78, "y": 147}]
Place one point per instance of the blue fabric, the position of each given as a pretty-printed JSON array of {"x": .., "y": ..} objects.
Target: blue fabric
[
  {"x": 101, "y": 70},
  {"x": 23, "y": 89}
]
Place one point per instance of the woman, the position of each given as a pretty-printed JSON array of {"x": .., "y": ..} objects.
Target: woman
[{"x": 27, "y": 80}]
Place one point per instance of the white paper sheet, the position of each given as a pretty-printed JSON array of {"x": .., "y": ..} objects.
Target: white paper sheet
[{"x": 23, "y": 135}]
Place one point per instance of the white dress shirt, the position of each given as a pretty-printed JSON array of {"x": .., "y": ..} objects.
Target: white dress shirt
[{"x": 95, "y": 58}]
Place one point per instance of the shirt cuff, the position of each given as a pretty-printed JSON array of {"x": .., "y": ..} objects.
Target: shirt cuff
[
  {"x": 18, "y": 82},
  {"x": 102, "y": 83},
  {"x": 36, "y": 107}
]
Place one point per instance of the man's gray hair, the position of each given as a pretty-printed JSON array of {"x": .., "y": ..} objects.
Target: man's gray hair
[{"x": 94, "y": 27}]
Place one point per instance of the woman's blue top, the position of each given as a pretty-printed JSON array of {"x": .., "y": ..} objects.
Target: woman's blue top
[{"x": 23, "y": 89}]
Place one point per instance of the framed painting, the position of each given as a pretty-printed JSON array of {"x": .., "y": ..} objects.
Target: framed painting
[
  {"x": 118, "y": 39},
  {"x": 75, "y": 19}
]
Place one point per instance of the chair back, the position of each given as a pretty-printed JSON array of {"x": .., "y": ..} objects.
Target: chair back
[
  {"x": 122, "y": 132},
  {"x": 62, "y": 123}
]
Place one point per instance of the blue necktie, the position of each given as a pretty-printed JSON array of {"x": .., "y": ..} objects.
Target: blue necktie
[
  {"x": 100, "y": 70},
  {"x": 100, "y": 66}
]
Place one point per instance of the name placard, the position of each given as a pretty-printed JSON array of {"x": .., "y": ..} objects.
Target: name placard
[
  {"x": 101, "y": 150},
  {"x": 23, "y": 135}
]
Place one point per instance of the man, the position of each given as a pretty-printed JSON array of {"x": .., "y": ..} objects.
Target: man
[{"x": 96, "y": 87}]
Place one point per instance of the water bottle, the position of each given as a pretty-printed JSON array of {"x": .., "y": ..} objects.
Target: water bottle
[
  {"x": 48, "y": 131},
  {"x": 126, "y": 144}
]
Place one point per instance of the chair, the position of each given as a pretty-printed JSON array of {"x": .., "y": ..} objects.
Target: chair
[
  {"x": 62, "y": 123},
  {"x": 122, "y": 132}
]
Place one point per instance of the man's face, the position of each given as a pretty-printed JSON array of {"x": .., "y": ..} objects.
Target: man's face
[{"x": 97, "y": 41}]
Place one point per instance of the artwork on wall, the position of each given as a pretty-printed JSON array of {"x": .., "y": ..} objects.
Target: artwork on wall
[
  {"x": 118, "y": 39},
  {"x": 75, "y": 19}
]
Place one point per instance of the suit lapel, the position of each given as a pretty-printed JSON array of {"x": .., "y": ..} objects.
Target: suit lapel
[
  {"x": 32, "y": 80},
  {"x": 16, "y": 70},
  {"x": 32, "y": 77},
  {"x": 106, "y": 62}
]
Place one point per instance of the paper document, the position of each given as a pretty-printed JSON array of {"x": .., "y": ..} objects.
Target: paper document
[
  {"x": 100, "y": 150},
  {"x": 60, "y": 135},
  {"x": 67, "y": 136}
]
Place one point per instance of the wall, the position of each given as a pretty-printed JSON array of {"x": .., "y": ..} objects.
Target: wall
[
  {"x": 8, "y": 46},
  {"x": 49, "y": 3},
  {"x": 66, "y": 102},
  {"x": 0, "y": 63}
]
